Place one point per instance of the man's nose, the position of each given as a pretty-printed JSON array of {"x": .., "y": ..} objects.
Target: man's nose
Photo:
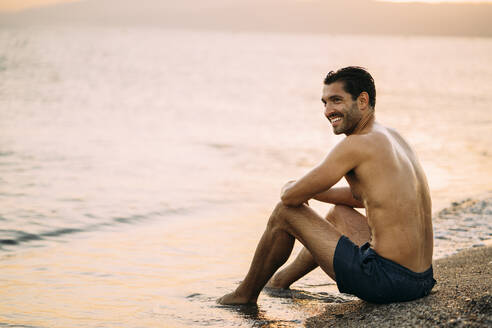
[{"x": 327, "y": 110}]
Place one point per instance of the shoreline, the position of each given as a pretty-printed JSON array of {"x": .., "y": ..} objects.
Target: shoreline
[
  {"x": 123, "y": 260},
  {"x": 462, "y": 225},
  {"x": 463, "y": 293}
]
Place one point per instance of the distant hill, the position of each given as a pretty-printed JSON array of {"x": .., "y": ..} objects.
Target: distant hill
[{"x": 302, "y": 16}]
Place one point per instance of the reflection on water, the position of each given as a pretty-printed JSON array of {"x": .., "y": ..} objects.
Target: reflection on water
[
  {"x": 259, "y": 318},
  {"x": 300, "y": 303},
  {"x": 138, "y": 167}
]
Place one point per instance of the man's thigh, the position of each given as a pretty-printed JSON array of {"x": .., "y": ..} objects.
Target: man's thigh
[
  {"x": 350, "y": 223},
  {"x": 318, "y": 235}
]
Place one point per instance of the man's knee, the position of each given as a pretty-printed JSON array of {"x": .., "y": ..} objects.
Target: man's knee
[{"x": 282, "y": 214}]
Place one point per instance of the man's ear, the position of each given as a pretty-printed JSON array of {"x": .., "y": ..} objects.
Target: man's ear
[{"x": 363, "y": 100}]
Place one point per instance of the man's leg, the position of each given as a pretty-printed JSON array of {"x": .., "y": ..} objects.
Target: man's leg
[
  {"x": 347, "y": 221},
  {"x": 284, "y": 226}
]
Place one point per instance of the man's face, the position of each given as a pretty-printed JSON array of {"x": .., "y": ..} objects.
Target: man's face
[{"x": 342, "y": 112}]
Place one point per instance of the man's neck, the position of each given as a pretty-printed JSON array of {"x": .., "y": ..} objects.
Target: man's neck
[{"x": 365, "y": 123}]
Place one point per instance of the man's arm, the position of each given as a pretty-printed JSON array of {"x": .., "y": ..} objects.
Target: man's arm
[
  {"x": 339, "y": 196},
  {"x": 344, "y": 157}
]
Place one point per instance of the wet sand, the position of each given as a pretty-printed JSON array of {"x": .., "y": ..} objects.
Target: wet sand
[{"x": 462, "y": 296}]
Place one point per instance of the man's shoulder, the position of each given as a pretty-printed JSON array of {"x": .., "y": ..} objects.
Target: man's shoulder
[
  {"x": 354, "y": 147},
  {"x": 366, "y": 140},
  {"x": 370, "y": 143}
]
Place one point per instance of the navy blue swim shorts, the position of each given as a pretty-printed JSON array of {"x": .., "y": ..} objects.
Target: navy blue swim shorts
[{"x": 360, "y": 271}]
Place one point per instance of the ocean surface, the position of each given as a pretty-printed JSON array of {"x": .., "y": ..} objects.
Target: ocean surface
[{"x": 138, "y": 166}]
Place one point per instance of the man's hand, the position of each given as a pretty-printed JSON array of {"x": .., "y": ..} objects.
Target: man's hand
[
  {"x": 346, "y": 156},
  {"x": 288, "y": 185}
]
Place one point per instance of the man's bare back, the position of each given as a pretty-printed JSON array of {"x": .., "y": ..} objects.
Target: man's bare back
[
  {"x": 393, "y": 189},
  {"x": 385, "y": 178}
]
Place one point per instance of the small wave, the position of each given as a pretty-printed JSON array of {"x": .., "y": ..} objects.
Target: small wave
[
  {"x": 21, "y": 237},
  {"x": 26, "y": 237},
  {"x": 219, "y": 145},
  {"x": 18, "y": 237},
  {"x": 8, "y": 325},
  {"x": 6, "y": 153},
  {"x": 61, "y": 232},
  {"x": 130, "y": 219}
]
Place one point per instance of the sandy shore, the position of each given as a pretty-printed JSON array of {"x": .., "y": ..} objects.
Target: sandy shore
[{"x": 462, "y": 297}]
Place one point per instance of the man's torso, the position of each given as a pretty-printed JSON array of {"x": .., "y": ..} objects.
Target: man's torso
[{"x": 393, "y": 188}]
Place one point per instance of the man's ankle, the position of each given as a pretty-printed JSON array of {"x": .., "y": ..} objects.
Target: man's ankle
[
  {"x": 245, "y": 299},
  {"x": 277, "y": 282}
]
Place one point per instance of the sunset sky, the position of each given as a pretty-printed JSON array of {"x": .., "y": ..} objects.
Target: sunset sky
[
  {"x": 396, "y": 17},
  {"x": 17, "y": 5}
]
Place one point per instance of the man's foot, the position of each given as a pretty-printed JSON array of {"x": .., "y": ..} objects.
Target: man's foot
[
  {"x": 276, "y": 283},
  {"x": 233, "y": 299}
]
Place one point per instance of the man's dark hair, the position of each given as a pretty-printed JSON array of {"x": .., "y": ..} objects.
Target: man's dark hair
[{"x": 355, "y": 81}]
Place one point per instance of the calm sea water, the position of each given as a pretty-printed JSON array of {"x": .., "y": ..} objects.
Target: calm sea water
[{"x": 138, "y": 166}]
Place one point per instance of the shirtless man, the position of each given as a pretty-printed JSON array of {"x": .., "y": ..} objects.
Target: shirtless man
[{"x": 385, "y": 256}]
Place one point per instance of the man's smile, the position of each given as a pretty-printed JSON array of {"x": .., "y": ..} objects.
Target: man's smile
[{"x": 334, "y": 118}]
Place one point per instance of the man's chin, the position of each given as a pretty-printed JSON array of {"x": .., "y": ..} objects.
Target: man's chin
[{"x": 337, "y": 131}]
